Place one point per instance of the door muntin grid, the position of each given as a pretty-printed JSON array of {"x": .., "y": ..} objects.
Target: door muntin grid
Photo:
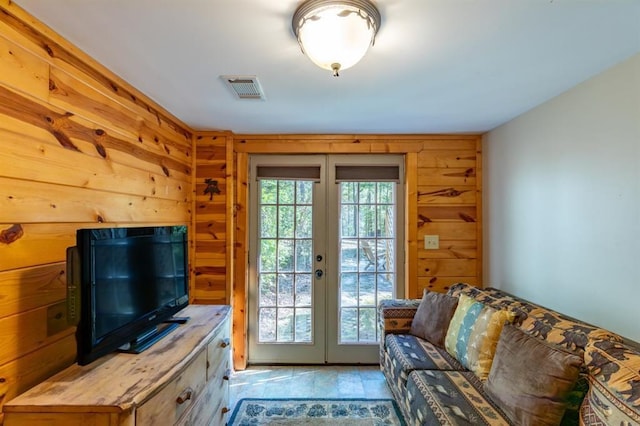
[
  {"x": 367, "y": 239},
  {"x": 285, "y": 261}
]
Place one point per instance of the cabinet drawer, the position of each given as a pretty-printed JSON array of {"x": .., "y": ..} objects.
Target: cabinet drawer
[
  {"x": 222, "y": 410},
  {"x": 176, "y": 397},
  {"x": 220, "y": 401},
  {"x": 211, "y": 409},
  {"x": 218, "y": 351}
]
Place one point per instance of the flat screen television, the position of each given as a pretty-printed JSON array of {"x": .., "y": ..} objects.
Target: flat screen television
[{"x": 124, "y": 285}]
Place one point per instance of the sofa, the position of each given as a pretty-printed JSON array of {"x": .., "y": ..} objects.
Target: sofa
[{"x": 504, "y": 361}]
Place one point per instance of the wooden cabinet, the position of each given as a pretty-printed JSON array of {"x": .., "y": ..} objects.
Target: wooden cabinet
[{"x": 183, "y": 379}]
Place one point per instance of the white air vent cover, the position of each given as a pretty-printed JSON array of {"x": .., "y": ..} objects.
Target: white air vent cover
[{"x": 244, "y": 86}]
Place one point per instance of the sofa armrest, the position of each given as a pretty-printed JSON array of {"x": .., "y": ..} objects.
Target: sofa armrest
[
  {"x": 395, "y": 316},
  {"x": 614, "y": 378}
]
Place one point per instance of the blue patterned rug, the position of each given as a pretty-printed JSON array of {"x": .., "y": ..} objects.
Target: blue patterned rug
[{"x": 316, "y": 411}]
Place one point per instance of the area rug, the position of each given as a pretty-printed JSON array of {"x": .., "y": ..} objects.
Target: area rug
[{"x": 258, "y": 411}]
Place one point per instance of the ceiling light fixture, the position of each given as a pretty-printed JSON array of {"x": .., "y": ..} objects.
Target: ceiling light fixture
[{"x": 336, "y": 34}]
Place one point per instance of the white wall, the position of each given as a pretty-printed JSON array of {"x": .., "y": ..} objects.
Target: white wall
[{"x": 562, "y": 202}]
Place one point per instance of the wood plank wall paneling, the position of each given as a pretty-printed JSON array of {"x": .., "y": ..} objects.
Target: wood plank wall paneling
[
  {"x": 79, "y": 148},
  {"x": 449, "y": 205},
  {"x": 443, "y": 196},
  {"x": 213, "y": 212}
]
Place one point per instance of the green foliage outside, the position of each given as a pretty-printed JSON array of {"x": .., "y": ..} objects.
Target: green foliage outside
[{"x": 286, "y": 258}]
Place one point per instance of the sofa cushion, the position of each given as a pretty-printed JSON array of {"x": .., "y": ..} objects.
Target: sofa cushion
[
  {"x": 473, "y": 334},
  {"x": 500, "y": 301},
  {"x": 614, "y": 395},
  {"x": 488, "y": 296},
  {"x": 405, "y": 353},
  {"x": 556, "y": 328},
  {"x": 602, "y": 406},
  {"x": 563, "y": 331},
  {"x": 395, "y": 315},
  {"x": 531, "y": 380},
  {"x": 451, "y": 398},
  {"x": 433, "y": 316},
  {"x": 463, "y": 288}
]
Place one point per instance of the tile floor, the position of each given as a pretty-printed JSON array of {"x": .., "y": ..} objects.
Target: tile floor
[{"x": 308, "y": 382}]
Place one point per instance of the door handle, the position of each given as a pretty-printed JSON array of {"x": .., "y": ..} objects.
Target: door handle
[{"x": 319, "y": 273}]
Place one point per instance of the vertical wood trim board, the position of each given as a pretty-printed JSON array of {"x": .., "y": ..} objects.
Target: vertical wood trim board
[
  {"x": 192, "y": 224},
  {"x": 231, "y": 203},
  {"x": 479, "y": 221},
  {"x": 411, "y": 224},
  {"x": 241, "y": 254}
]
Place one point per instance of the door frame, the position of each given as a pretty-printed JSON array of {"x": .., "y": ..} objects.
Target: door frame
[
  {"x": 295, "y": 353},
  {"x": 365, "y": 353},
  {"x": 325, "y": 348},
  {"x": 438, "y": 151}
]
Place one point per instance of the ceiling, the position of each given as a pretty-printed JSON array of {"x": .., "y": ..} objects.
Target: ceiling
[{"x": 438, "y": 66}]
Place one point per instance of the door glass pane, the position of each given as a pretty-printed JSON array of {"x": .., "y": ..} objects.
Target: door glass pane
[
  {"x": 285, "y": 221},
  {"x": 285, "y": 290},
  {"x": 367, "y": 258},
  {"x": 348, "y": 324},
  {"x": 303, "y": 290},
  {"x": 267, "y": 319},
  {"x": 268, "y": 216},
  {"x": 303, "y": 325},
  {"x": 285, "y": 261},
  {"x": 304, "y": 256},
  {"x": 285, "y": 255},
  {"x": 285, "y": 324},
  {"x": 303, "y": 221},
  {"x": 268, "y": 290},
  {"x": 348, "y": 221}
]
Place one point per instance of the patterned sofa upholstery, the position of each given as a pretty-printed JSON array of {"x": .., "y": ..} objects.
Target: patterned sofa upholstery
[{"x": 432, "y": 387}]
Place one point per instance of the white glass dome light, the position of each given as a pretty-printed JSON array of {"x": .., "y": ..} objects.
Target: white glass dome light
[{"x": 336, "y": 34}]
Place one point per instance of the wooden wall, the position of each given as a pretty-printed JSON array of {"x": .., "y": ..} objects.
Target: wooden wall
[
  {"x": 213, "y": 217},
  {"x": 443, "y": 197},
  {"x": 78, "y": 148},
  {"x": 449, "y": 196}
]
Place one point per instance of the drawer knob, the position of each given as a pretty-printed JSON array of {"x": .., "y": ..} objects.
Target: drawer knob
[
  {"x": 184, "y": 396},
  {"x": 225, "y": 410},
  {"x": 225, "y": 342},
  {"x": 227, "y": 375}
]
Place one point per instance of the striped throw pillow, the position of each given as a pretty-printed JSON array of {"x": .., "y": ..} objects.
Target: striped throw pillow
[{"x": 473, "y": 334}]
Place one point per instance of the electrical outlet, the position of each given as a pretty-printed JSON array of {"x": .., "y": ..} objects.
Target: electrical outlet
[{"x": 431, "y": 242}]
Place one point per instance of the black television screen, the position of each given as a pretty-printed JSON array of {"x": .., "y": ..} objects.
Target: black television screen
[{"x": 130, "y": 280}]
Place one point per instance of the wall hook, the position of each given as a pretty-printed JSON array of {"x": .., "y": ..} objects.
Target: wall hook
[{"x": 212, "y": 188}]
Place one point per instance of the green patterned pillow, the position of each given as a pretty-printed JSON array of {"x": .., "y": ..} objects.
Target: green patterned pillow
[{"x": 473, "y": 334}]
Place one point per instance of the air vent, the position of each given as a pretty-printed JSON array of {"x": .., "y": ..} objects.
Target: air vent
[{"x": 244, "y": 86}]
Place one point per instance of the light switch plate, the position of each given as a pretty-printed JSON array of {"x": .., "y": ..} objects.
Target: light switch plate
[{"x": 431, "y": 242}]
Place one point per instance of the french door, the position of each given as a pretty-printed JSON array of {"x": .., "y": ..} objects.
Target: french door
[{"x": 326, "y": 245}]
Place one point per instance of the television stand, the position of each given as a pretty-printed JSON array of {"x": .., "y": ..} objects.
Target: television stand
[
  {"x": 145, "y": 340},
  {"x": 181, "y": 380}
]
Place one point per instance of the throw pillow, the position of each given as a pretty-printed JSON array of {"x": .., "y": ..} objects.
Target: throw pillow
[
  {"x": 433, "y": 316},
  {"x": 530, "y": 380},
  {"x": 473, "y": 334}
]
